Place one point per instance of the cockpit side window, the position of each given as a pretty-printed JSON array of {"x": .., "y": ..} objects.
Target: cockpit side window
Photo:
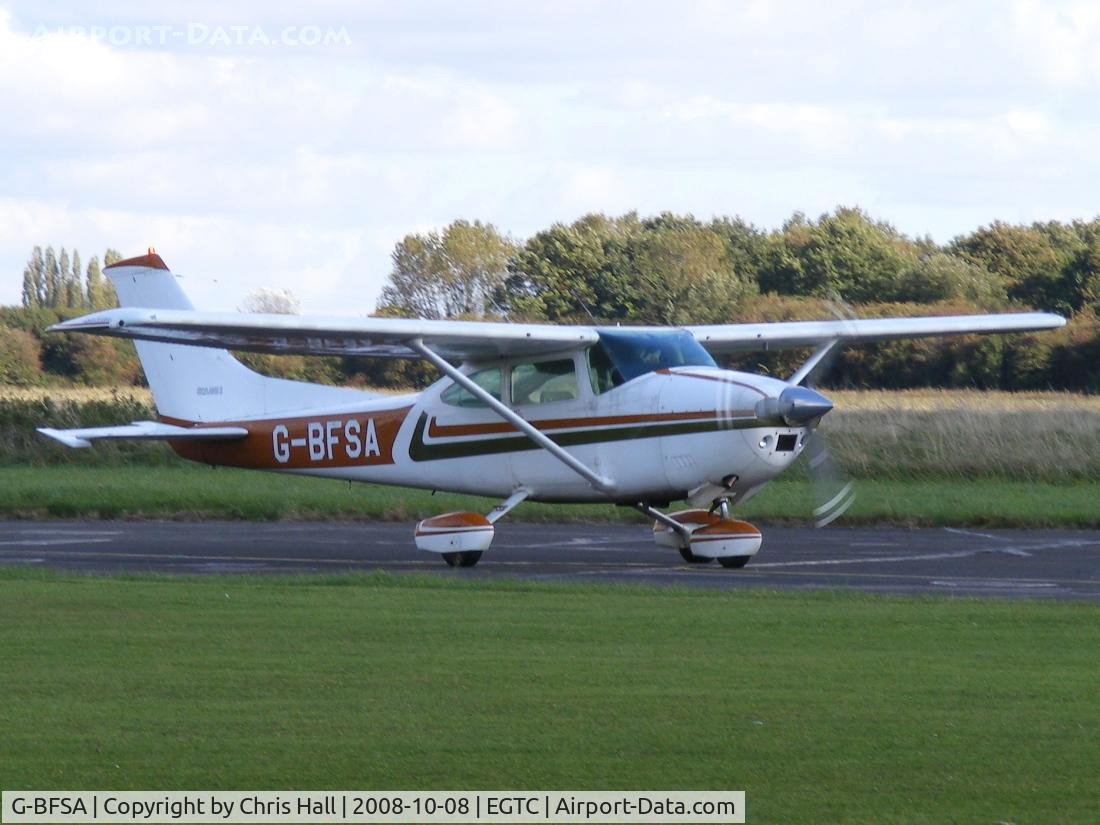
[
  {"x": 489, "y": 380},
  {"x": 544, "y": 382}
]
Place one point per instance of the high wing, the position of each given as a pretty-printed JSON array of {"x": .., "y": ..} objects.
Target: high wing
[
  {"x": 721, "y": 338},
  {"x": 478, "y": 341},
  {"x": 142, "y": 431},
  {"x": 312, "y": 335}
]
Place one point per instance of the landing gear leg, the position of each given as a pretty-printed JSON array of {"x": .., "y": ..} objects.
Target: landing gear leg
[{"x": 677, "y": 529}]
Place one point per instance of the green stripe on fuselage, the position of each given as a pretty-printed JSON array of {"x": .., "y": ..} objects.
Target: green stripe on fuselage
[{"x": 420, "y": 451}]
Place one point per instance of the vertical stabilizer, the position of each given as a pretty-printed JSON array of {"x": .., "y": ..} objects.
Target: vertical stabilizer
[{"x": 199, "y": 383}]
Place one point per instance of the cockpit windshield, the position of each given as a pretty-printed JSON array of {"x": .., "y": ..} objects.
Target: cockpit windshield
[{"x": 623, "y": 354}]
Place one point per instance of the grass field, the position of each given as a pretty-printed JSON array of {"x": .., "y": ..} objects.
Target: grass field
[
  {"x": 823, "y": 708},
  {"x": 188, "y": 491}
]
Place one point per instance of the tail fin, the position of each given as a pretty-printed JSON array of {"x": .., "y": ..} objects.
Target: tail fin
[{"x": 197, "y": 383}]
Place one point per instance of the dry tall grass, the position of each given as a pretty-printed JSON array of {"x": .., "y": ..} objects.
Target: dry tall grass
[
  {"x": 882, "y": 434},
  {"x": 924, "y": 400},
  {"x": 75, "y": 395},
  {"x": 966, "y": 434}
]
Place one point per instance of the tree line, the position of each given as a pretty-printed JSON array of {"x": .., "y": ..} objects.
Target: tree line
[
  {"x": 53, "y": 280},
  {"x": 673, "y": 269},
  {"x": 676, "y": 269}
]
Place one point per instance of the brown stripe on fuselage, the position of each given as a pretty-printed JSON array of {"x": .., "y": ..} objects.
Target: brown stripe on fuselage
[
  {"x": 437, "y": 430},
  {"x": 304, "y": 442}
]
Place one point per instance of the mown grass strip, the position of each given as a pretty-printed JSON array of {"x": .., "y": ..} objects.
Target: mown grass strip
[
  {"x": 823, "y": 707},
  {"x": 189, "y": 492}
]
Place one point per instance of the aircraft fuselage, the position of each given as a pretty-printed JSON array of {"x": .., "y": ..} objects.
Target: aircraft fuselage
[{"x": 658, "y": 437}]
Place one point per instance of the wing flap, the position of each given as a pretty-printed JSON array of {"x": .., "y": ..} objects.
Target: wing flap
[{"x": 142, "y": 431}]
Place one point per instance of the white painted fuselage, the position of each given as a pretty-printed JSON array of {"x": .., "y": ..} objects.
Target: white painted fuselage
[{"x": 663, "y": 436}]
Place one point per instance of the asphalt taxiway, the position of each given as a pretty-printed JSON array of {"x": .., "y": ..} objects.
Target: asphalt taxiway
[{"x": 1058, "y": 564}]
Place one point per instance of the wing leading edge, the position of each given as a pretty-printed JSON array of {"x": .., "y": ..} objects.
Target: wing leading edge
[
  {"x": 479, "y": 341},
  {"x": 311, "y": 335},
  {"x": 733, "y": 337}
]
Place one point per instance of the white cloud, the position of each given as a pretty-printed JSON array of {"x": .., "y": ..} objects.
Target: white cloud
[
  {"x": 1062, "y": 39},
  {"x": 300, "y": 168}
]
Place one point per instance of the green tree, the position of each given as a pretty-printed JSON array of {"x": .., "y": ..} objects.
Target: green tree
[
  {"x": 30, "y": 289},
  {"x": 449, "y": 274},
  {"x": 20, "y": 358},
  {"x": 1081, "y": 276},
  {"x": 94, "y": 284},
  {"x": 37, "y": 264},
  {"x": 54, "y": 287},
  {"x": 940, "y": 276},
  {"x": 844, "y": 252},
  {"x": 76, "y": 283},
  {"x": 1026, "y": 258},
  {"x": 746, "y": 246},
  {"x": 107, "y": 297},
  {"x": 686, "y": 276},
  {"x": 577, "y": 272},
  {"x": 70, "y": 291}
]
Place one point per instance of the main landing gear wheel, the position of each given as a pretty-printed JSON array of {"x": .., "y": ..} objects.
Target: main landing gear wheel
[
  {"x": 734, "y": 561},
  {"x": 465, "y": 558},
  {"x": 691, "y": 558}
]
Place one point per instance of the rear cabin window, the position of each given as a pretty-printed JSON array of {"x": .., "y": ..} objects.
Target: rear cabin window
[
  {"x": 544, "y": 382},
  {"x": 488, "y": 380}
]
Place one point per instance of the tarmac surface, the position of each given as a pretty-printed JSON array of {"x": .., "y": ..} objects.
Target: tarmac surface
[{"x": 1047, "y": 564}]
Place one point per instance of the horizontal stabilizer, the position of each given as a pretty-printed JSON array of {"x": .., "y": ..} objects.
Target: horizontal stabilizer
[{"x": 142, "y": 431}]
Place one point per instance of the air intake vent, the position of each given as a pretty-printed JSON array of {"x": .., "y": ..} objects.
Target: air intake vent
[{"x": 786, "y": 443}]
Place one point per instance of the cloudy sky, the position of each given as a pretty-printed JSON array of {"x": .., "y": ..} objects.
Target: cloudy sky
[{"x": 290, "y": 145}]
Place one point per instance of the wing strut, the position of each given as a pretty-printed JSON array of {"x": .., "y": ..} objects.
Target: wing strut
[
  {"x": 601, "y": 483},
  {"x": 812, "y": 363}
]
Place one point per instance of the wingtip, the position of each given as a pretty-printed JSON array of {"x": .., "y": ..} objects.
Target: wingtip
[{"x": 65, "y": 438}]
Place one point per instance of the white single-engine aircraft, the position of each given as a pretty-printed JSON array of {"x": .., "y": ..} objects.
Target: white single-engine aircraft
[{"x": 638, "y": 416}]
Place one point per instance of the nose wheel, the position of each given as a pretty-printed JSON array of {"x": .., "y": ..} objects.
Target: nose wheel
[
  {"x": 691, "y": 558},
  {"x": 703, "y": 536}
]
